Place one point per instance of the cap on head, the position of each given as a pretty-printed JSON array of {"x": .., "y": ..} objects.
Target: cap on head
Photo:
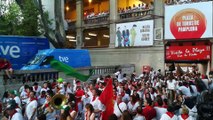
[
  {"x": 13, "y": 92},
  {"x": 60, "y": 80},
  {"x": 11, "y": 105}
]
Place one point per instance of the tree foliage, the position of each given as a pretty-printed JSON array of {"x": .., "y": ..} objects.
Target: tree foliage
[
  {"x": 57, "y": 36},
  {"x": 17, "y": 21},
  {"x": 28, "y": 18}
]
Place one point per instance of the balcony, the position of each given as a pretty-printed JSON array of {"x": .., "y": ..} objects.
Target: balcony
[
  {"x": 97, "y": 19},
  {"x": 133, "y": 15}
]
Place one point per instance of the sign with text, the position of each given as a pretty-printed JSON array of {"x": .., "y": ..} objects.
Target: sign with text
[
  {"x": 138, "y": 33},
  {"x": 188, "y": 21},
  {"x": 186, "y": 53}
]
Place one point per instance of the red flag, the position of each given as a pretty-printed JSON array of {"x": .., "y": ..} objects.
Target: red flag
[{"x": 106, "y": 98}]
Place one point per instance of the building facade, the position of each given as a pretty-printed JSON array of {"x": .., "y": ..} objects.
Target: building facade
[
  {"x": 117, "y": 31},
  {"x": 139, "y": 32}
]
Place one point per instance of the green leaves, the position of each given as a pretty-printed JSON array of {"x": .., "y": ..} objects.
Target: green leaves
[{"x": 17, "y": 21}]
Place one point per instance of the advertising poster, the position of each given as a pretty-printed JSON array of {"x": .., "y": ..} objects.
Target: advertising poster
[
  {"x": 188, "y": 21},
  {"x": 138, "y": 33}
]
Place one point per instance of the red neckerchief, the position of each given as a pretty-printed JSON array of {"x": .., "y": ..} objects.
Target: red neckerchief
[
  {"x": 71, "y": 110},
  {"x": 35, "y": 87},
  {"x": 11, "y": 116},
  {"x": 170, "y": 114},
  {"x": 93, "y": 99},
  {"x": 122, "y": 94},
  {"x": 28, "y": 93},
  {"x": 184, "y": 116},
  {"x": 43, "y": 96},
  {"x": 46, "y": 105},
  {"x": 31, "y": 99}
]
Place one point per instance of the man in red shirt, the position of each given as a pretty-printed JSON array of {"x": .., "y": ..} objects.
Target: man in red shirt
[
  {"x": 149, "y": 112},
  {"x": 78, "y": 95},
  {"x": 7, "y": 67}
]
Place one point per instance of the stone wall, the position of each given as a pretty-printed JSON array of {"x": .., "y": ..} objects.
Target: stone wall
[{"x": 153, "y": 56}]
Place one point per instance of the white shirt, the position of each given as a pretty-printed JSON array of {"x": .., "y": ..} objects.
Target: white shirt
[
  {"x": 18, "y": 101},
  {"x": 185, "y": 91},
  {"x": 37, "y": 91},
  {"x": 159, "y": 112},
  {"x": 131, "y": 107},
  {"x": 195, "y": 92},
  {"x": 30, "y": 107},
  {"x": 44, "y": 89},
  {"x": 120, "y": 79},
  {"x": 97, "y": 105},
  {"x": 69, "y": 90},
  {"x": 122, "y": 106},
  {"x": 171, "y": 84},
  {"x": 166, "y": 117},
  {"x": 17, "y": 116},
  {"x": 139, "y": 117}
]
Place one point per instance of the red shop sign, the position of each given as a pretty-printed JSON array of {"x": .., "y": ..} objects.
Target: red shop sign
[{"x": 184, "y": 53}]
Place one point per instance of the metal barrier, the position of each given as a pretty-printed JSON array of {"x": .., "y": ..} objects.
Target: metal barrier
[{"x": 29, "y": 77}]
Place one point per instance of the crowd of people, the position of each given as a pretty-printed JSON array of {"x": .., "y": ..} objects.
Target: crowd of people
[
  {"x": 92, "y": 15},
  {"x": 172, "y": 2},
  {"x": 148, "y": 96},
  {"x": 133, "y": 8}
]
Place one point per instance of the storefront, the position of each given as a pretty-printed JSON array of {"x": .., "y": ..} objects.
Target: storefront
[
  {"x": 188, "y": 31},
  {"x": 189, "y": 54}
]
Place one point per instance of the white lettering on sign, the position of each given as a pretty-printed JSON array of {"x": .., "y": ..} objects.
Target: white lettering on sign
[
  {"x": 13, "y": 51},
  {"x": 63, "y": 59}
]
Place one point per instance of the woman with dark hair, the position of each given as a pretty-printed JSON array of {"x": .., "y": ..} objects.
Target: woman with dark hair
[
  {"x": 72, "y": 104},
  {"x": 89, "y": 112},
  {"x": 126, "y": 115},
  {"x": 65, "y": 114},
  {"x": 139, "y": 115}
]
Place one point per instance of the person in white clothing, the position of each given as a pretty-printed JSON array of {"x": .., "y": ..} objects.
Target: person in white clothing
[
  {"x": 14, "y": 95},
  {"x": 169, "y": 115},
  {"x": 184, "y": 90},
  {"x": 185, "y": 115},
  {"x": 69, "y": 88},
  {"x": 171, "y": 85},
  {"x": 36, "y": 88},
  {"x": 11, "y": 111},
  {"x": 96, "y": 103},
  {"x": 31, "y": 107},
  {"x": 119, "y": 75},
  {"x": 119, "y": 106}
]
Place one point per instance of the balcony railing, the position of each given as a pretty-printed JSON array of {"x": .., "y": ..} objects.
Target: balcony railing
[
  {"x": 97, "y": 19},
  {"x": 135, "y": 13}
]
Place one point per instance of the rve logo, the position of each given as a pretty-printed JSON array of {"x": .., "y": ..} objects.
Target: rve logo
[
  {"x": 63, "y": 59},
  {"x": 13, "y": 51}
]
